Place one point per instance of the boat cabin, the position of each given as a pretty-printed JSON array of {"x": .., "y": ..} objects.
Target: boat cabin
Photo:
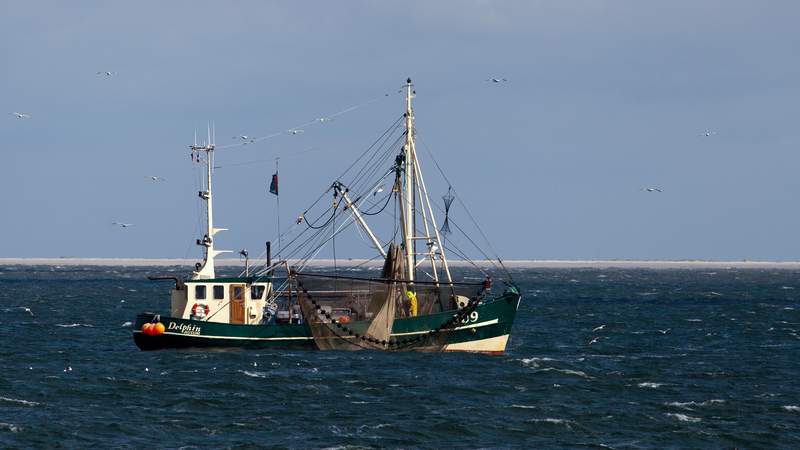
[{"x": 235, "y": 300}]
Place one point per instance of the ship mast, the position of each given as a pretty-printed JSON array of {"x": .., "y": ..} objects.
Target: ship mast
[
  {"x": 414, "y": 186},
  {"x": 206, "y": 269},
  {"x": 408, "y": 195}
]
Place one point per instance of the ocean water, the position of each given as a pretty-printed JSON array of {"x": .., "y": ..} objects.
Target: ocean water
[{"x": 624, "y": 359}]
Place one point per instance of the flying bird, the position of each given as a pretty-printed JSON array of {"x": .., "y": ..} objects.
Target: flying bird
[
  {"x": 295, "y": 132},
  {"x": 594, "y": 340},
  {"x": 664, "y": 331},
  {"x": 599, "y": 328},
  {"x": 708, "y": 133},
  {"x": 19, "y": 115},
  {"x": 106, "y": 73},
  {"x": 497, "y": 80},
  {"x": 651, "y": 189},
  {"x": 377, "y": 191},
  {"x": 123, "y": 225},
  {"x": 27, "y": 310},
  {"x": 155, "y": 178},
  {"x": 325, "y": 119}
]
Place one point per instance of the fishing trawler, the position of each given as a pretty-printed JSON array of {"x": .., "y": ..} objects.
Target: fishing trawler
[{"x": 414, "y": 303}]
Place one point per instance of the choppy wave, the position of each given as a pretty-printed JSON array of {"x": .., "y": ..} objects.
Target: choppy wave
[
  {"x": 650, "y": 384},
  {"x": 553, "y": 421},
  {"x": 792, "y": 408},
  {"x": 690, "y": 405},
  {"x": 564, "y": 371},
  {"x": 74, "y": 325},
  {"x": 18, "y": 401},
  {"x": 10, "y": 427},
  {"x": 683, "y": 417},
  {"x": 254, "y": 374}
]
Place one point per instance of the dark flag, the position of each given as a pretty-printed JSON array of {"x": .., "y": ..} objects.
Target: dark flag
[{"x": 273, "y": 186}]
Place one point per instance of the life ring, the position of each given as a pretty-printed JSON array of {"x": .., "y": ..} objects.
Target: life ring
[{"x": 199, "y": 310}]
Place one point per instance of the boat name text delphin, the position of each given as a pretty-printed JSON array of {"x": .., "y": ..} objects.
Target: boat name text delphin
[{"x": 184, "y": 329}]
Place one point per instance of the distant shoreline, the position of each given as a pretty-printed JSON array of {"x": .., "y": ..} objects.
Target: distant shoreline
[{"x": 511, "y": 264}]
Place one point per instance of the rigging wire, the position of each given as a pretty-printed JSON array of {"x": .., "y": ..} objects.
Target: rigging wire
[
  {"x": 305, "y": 124},
  {"x": 382, "y": 139},
  {"x": 469, "y": 214}
]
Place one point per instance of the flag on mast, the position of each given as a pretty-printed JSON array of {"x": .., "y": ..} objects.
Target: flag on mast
[{"x": 273, "y": 186}]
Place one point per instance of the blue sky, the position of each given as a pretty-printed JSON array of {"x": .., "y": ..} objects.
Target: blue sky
[{"x": 603, "y": 98}]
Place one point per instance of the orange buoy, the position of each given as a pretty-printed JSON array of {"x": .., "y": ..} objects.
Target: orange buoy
[
  {"x": 158, "y": 328},
  {"x": 344, "y": 319},
  {"x": 147, "y": 328}
]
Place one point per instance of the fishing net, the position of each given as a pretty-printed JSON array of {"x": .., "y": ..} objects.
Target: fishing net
[{"x": 387, "y": 313}]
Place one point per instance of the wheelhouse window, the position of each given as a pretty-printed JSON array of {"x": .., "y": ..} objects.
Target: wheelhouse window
[
  {"x": 200, "y": 292},
  {"x": 256, "y": 292},
  {"x": 219, "y": 292}
]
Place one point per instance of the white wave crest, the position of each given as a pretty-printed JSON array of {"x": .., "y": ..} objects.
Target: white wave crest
[
  {"x": 10, "y": 427},
  {"x": 684, "y": 417},
  {"x": 534, "y": 362},
  {"x": 127, "y": 324},
  {"x": 553, "y": 421},
  {"x": 254, "y": 374},
  {"x": 20, "y": 402},
  {"x": 565, "y": 371},
  {"x": 522, "y": 406},
  {"x": 73, "y": 325},
  {"x": 689, "y": 405},
  {"x": 792, "y": 408},
  {"x": 650, "y": 384}
]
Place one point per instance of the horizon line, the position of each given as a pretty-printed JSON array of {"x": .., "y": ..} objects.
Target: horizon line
[{"x": 511, "y": 263}]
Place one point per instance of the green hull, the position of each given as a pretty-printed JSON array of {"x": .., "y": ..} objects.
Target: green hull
[{"x": 485, "y": 330}]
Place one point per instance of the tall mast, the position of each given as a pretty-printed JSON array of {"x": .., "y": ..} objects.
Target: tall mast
[
  {"x": 206, "y": 269},
  {"x": 408, "y": 196}
]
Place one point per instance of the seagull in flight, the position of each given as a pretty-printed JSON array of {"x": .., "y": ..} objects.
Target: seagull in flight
[
  {"x": 296, "y": 131},
  {"x": 325, "y": 119},
  {"x": 597, "y": 339},
  {"x": 497, "y": 80},
  {"x": 599, "y": 328},
  {"x": 27, "y": 310},
  {"x": 651, "y": 189},
  {"x": 377, "y": 191},
  {"x": 123, "y": 225},
  {"x": 155, "y": 178},
  {"x": 708, "y": 133},
  {"x": 664, "y": 331},
  {"x": 20, "y": 115},
  {"x": 106, "y": 73}
]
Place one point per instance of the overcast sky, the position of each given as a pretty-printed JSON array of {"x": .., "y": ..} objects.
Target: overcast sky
[{"x": 603, "y": 98}]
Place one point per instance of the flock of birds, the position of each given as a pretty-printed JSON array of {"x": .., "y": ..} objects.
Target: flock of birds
[{"x": 246, "y": 139}]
